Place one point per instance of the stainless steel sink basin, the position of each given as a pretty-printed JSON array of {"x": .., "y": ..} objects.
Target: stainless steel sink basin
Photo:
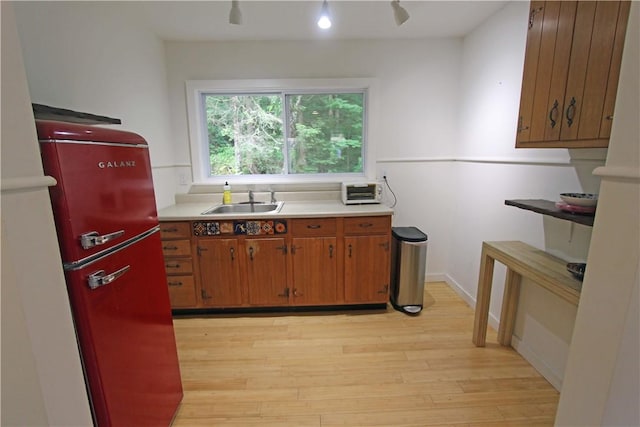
[{"x": 245, "y": 208}]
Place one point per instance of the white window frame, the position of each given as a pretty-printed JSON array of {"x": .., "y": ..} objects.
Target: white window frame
[{"x": 198, "y": 135}]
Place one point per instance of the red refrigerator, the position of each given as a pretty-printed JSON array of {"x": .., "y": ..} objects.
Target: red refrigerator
[{"x": 106, "y": 220}]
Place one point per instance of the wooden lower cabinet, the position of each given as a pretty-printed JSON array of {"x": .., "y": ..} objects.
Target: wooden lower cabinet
[
  {"x": 220, "y": 262},
  {"x": 366, "y": 269},
  {"x": 315, "y": 266},
  {"x": 318, "y": 262},
  {"x": 266, "y": 267},
  {"x": 178, "y": 263}
]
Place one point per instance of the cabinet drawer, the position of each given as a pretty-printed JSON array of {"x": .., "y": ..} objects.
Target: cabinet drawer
[
  {"x": 176, "y": 248},
  {"x": 182, "y": 291},
  {"x": 178, "y": 266},
  {"x": 314, "y": 227},
  {"x": 174, "y": 230},
  {"x": 367, "y": 225}
]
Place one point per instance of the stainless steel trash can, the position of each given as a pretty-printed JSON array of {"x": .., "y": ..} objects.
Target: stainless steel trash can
[{"x": 408, "y": 267}]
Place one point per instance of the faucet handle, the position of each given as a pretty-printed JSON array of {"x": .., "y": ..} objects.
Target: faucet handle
[{"x": 273, "y": 196}]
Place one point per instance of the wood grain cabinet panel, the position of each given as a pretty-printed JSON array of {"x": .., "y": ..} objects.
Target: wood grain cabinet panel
[
  {"x": 315, "y": 266},
  {"x": 182, "y": 291},
  {"x": 571, "y": 70},
  {"x": 366, "y": 269},
  {"x": 220, "y": 262},
  {"x": 178, "y": 263},
  {"x": 266, "y": 267}
]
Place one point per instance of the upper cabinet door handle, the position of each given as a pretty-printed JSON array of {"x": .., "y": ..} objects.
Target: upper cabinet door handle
[
  {"x": 553, "y": 114},
  {"x": 571, "y": 111},
  {"x": 532, "y": 15}
]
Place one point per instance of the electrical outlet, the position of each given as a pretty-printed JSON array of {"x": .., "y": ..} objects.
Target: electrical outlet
[{"x": 384, "y": 173}]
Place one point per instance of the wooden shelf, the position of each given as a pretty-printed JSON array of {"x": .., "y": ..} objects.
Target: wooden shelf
[{"x": 547, "y": 207}]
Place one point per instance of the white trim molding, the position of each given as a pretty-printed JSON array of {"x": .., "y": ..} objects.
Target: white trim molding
[
  {"x": 26, "y": 183},
  {"x": 618, "y": 173}
]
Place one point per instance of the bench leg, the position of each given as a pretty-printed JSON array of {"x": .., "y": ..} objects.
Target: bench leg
[
  {"x": 509, "y": 307},
  {"x": 482, "y": 300}
]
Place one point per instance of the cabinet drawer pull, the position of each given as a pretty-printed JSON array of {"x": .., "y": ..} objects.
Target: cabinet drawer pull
[
  {"x": 170, "y": 248},
  {"x": 251, "y": 253},
  {"x": 365, "y": 225},
  {"x": 232, "y": 251},
  {"x": 330, "y": 251},
  {"x": 350, "y": 248},
  {"x": 314, "y": 226},
  {"x": 175, "y": 283},
  {"x": 172, "y": 265},
  {"x": 169, "y": 230}
]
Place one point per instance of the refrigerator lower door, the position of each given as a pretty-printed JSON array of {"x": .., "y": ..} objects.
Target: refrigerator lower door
[{"x": 122, "y": 315}]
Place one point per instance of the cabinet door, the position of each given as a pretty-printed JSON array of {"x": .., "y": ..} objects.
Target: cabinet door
[
  {"x": 366, "y": 269},
  {"x": 182, "y": 291},
  {"x": 220, "y": 279},
  {"x": 571, "y": 69},
  {"x": 591, "y": 54},
  {"x": 267, "y": 271},
  {"x": 530, "y": 72},
  {"x": 314, "y": 271},
  {"x": 545, "y": 70}
]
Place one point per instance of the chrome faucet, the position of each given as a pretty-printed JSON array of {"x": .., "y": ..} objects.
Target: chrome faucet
[
  {"x": 273, "y": 197},
  {"x": 251, "y": 196}
]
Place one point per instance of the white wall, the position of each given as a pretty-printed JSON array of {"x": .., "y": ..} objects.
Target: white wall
[
  {"x": 88, "y": 56},
  {"x": 418, "y": 87},
  {"x": 490, "y": 170},
  {"x": 42, "y": 382}
]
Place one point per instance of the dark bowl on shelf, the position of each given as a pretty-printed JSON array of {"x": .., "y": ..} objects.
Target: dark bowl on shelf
[{"x": 577, "y": 269}]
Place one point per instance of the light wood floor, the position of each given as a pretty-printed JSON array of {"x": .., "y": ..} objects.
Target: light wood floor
[{"x": 379, "y": 368}]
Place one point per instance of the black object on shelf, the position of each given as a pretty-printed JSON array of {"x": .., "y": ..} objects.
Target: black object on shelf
[
  {"x": 547, "y": 207},
  {"x": 45, "y": 112},
  {"x": 577, "y": 269}
]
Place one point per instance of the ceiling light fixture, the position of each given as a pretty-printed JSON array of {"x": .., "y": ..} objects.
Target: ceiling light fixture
[
  {"x": 235, "y": 15},
  {"x": 399, "y": 12},
  {"x": 324, "y": 21}
]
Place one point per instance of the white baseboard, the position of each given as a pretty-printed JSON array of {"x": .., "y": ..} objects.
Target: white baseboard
[
  {"x": 538, "y": 364},
  {"x": 520, "y": 346},
  {"x": 469, "y": 299}
]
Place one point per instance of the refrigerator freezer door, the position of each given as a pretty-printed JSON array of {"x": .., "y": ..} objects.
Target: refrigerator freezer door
[
  {"x": 126, "y": 337},
  {"x": 104, "y": 194}
]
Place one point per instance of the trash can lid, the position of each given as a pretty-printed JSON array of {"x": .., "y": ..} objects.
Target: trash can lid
[{"x": 408, "y": 234}]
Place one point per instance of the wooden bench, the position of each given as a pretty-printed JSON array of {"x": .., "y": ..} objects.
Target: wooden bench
[{"x": 521, "y": 260}]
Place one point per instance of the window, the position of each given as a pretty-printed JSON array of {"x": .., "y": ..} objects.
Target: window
[{"x": 294, "y": 132}]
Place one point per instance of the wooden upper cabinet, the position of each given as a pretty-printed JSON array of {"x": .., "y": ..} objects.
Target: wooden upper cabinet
[{"x": 571, "y": 69}]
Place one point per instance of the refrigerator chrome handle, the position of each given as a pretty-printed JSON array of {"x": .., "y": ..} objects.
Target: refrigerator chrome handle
[
  {"x": 99, "y": 278},
  {"x": 92, "y": 238}
]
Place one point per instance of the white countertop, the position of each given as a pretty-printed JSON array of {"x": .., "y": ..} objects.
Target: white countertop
[{"x": 290, "y": 209}]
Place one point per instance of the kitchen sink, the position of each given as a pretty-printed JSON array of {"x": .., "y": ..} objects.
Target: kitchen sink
[{"x": 245, "y": 208}]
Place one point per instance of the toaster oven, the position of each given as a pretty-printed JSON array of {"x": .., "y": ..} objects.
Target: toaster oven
[{"x": 354, "y": 193}]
